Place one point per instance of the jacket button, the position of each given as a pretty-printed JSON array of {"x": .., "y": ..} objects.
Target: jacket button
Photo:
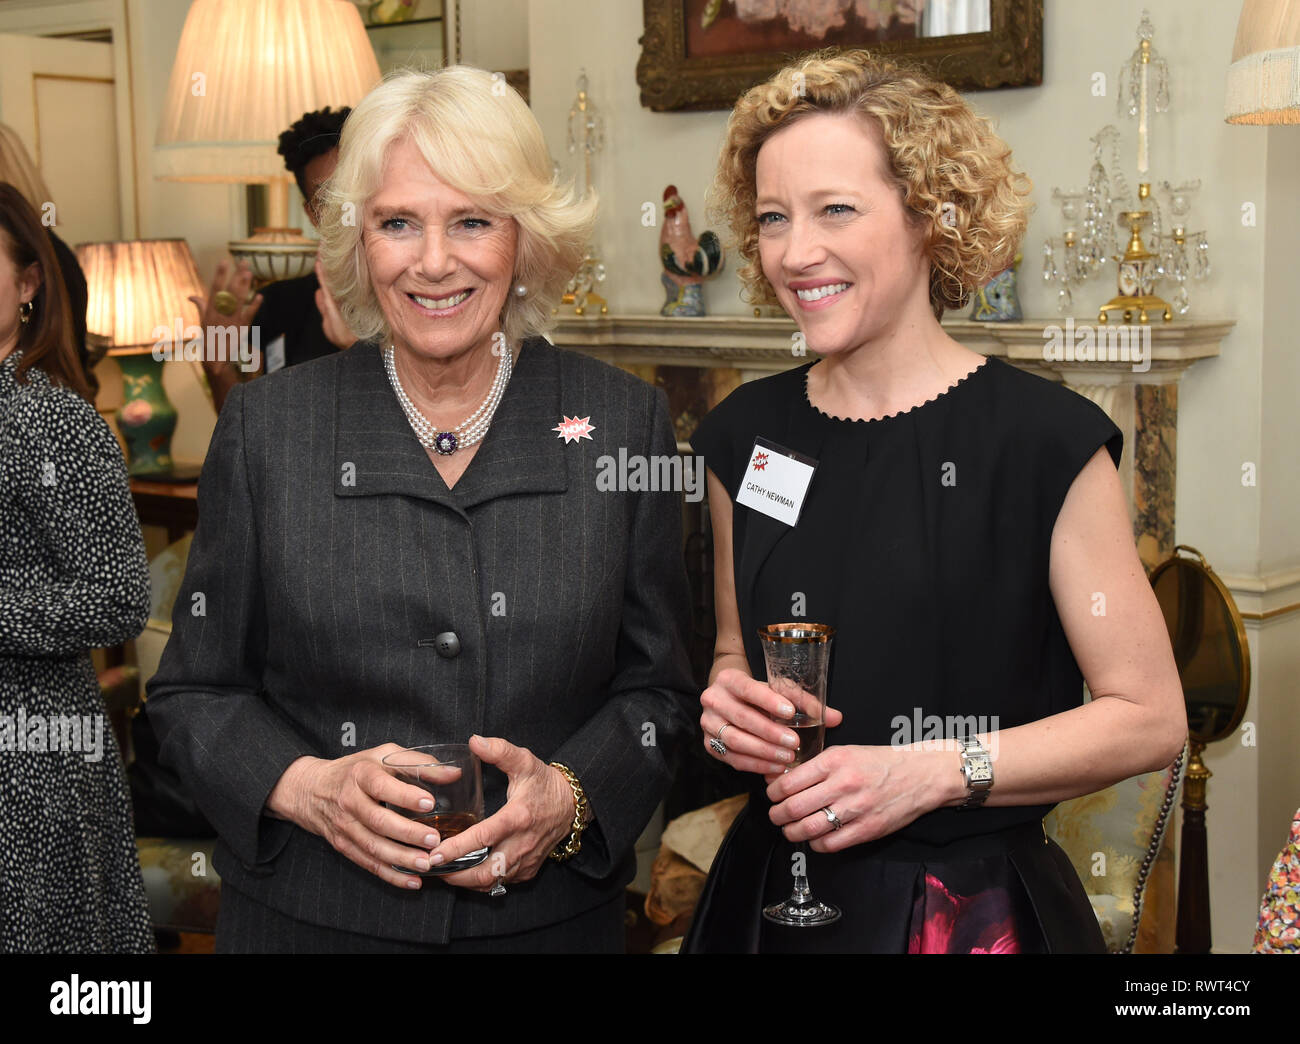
[{"x": 448, "y": 645}]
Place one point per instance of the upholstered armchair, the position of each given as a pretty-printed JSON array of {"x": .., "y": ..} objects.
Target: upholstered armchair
[{"x": 1117, "y": 840}]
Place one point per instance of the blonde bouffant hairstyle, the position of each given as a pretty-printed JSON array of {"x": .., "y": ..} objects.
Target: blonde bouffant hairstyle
[
  {"x": 938, "y": 151},
  {"x": 479, "y": 137}
]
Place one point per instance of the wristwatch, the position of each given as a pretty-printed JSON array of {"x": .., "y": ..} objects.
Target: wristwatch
[{"x": 977, "y": 770}]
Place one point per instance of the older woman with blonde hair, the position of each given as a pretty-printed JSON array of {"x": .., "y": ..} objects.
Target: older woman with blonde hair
[
  {"x": 955, "y": 520},
  {"x": 395, "y": 547}
]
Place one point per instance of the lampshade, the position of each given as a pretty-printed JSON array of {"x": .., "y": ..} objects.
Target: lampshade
[
  {"x": 135, "y": 287},
  {"x": 247, "y": 69},
  {"x": 1264, "y": 77}
]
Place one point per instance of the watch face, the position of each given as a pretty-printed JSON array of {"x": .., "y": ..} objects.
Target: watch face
[{"x": 980, "y": 773}]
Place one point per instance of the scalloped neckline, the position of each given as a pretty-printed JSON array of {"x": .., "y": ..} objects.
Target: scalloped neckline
[{"x": 988, "y": 361}]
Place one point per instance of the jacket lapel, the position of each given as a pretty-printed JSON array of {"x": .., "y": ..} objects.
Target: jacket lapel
[
  {"x": 376, "y": 453},
  {"x": 521, "y": 454}
]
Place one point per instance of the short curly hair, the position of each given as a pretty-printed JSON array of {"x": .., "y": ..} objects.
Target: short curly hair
[
  {"x": 479, "y": 137},
  {"x": 313, "y": 135},
  {"x": 938, "y": 151}
]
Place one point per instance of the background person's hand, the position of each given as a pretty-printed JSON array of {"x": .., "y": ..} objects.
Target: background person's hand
[
  {"x": 224, "y": 375},
  {"x": 342, "y": 800},
  {"x": 238, "y": 285},
  {"x": 537, "y": 816},
  {"x": 755, "y": 743},
  {"x": 873, "y": 790},
  {"x": 336, "y": 330}
]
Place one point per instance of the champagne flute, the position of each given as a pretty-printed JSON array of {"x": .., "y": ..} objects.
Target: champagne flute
[
  {"x": 453, "y": 777},
  {"x": 798, "y": 661}
]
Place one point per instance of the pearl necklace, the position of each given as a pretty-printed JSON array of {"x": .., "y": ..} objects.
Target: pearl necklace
[{"x": 467, "y": 432}]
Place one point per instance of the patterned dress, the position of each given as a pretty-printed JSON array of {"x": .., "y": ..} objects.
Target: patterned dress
[{"x": 73, "y": 576}]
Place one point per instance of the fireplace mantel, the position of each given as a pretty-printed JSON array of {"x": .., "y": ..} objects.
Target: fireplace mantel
[
  {"x": 761, "y": 346},
  {"x": 727, "y": 350}
]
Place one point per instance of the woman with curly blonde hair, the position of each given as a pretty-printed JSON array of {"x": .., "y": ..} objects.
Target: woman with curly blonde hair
[{"x": 961, "y": 519}]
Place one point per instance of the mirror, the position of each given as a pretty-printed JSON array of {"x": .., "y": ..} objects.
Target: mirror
[
  {"x": 1213, "y": 661},
  {"x": 406, "y": 34},
  {"x": 1209, "y": 643}
]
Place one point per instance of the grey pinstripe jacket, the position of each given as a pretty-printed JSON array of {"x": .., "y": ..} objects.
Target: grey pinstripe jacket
[{"x": 328, "y": 546}]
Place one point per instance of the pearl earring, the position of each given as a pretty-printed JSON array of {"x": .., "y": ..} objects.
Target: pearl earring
[{"x": 521, "y": 290}]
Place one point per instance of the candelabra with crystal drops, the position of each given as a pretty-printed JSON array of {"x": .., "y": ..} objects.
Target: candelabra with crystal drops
[
  {"x": 1175, "y": 261},
  {"x": 585, "y": 133},
  {"x": 1091, "y": 217}
]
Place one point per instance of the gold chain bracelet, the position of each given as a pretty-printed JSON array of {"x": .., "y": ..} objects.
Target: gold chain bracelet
[{"x": 573, "y": 845}]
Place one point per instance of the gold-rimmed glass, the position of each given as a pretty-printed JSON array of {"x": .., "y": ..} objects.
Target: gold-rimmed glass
[{"x": 798, "y": 668}]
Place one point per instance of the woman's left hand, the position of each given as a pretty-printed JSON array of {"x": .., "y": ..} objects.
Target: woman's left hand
[
  {"x": 872, "y": 790},
  {"x": 536, "y": 817}
]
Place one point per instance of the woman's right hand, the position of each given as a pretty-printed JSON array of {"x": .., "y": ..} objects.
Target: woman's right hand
[
  {"x": 223, "y": 375},
  {"x": 754, "y": 742},
  {"x": 342, "y": 800},
  {"x": 238, "y": 286}
]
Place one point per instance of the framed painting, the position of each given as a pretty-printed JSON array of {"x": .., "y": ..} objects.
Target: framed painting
[{"x": 703, "y": 54}]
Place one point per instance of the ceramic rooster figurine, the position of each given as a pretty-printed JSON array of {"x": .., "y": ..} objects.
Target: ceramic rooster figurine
[{"x": 687, "y": 262}]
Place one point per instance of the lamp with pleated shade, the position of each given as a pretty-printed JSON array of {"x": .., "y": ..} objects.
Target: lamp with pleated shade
[
  {"x": 1264, "y": 77},
  {"x": 137, "y": 289},
  {"x": 244, "y": 72}
]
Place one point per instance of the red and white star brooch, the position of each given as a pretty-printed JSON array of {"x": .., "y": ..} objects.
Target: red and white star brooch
[{"x": 571, "y": 429}]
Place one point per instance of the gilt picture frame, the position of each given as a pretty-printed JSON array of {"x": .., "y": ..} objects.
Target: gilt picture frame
[{"x": 703, "y": 54}]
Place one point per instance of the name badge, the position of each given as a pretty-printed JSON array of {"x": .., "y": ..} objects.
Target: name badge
[
  {"x": 275, "y": 355},
  {"x": 776, "y": 481}
]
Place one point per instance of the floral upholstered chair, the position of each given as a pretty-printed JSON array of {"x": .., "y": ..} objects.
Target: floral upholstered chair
[{"x": 1116, "y": 840}]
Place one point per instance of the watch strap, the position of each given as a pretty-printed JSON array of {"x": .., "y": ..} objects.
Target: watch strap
[{"x": 977, "y": 791}]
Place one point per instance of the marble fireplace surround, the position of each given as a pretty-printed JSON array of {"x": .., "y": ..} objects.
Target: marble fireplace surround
[{"x": 699, "y": 360}]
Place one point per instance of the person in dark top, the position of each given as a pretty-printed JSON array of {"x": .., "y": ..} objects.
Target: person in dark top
[
  {"x": 963, "y": 530},
  {"x": 298, "y": 318}
]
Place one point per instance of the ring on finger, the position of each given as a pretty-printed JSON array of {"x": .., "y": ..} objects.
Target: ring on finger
[
  {"x": 719, "y": 748},
  {"x": 832, "y": 818},
  {"x": 225, "y": 302}
]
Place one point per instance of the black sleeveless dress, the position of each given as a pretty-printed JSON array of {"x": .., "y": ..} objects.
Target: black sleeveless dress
[{"x": 924, "y": 540}]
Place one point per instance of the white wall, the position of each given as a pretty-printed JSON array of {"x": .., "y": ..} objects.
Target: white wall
[
  {"x": 493, "y": 34},
  {"x": 1278, "y": 638}
]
